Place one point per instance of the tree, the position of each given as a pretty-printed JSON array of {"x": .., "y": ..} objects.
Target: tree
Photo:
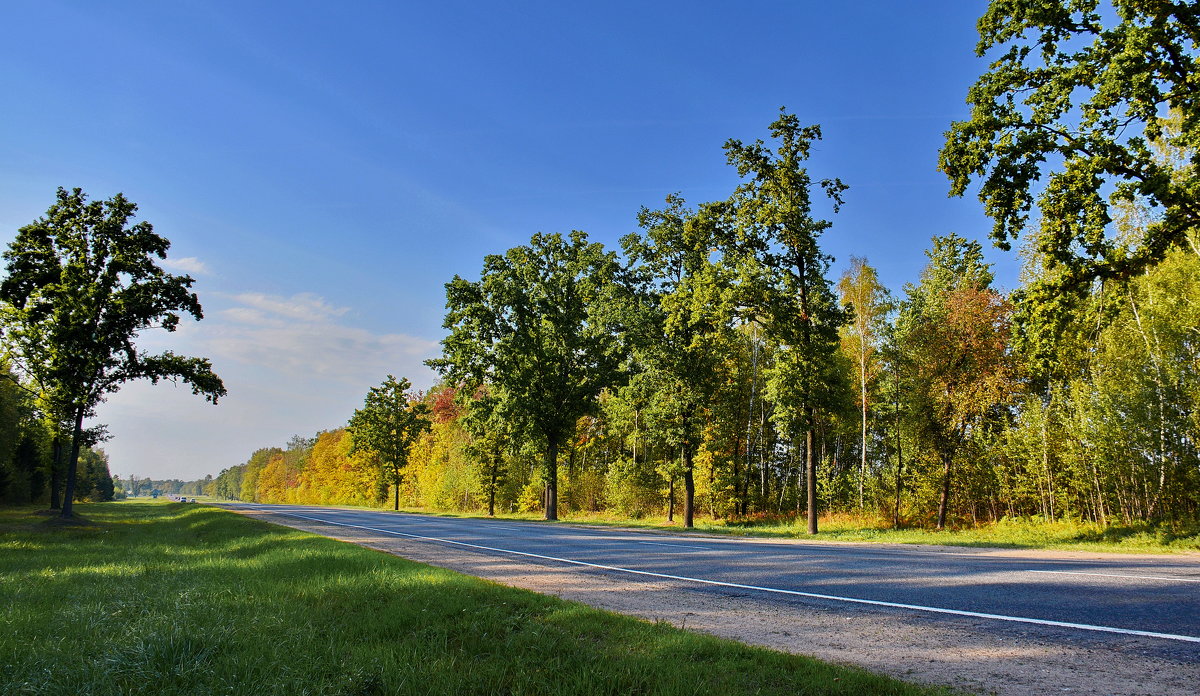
[
  {"x": 492, "y": 436},
  {"x": 387, "y": 425},
  {"x": 686, "y": 303},
  {"x": 1076, "y": 96},
  {"x": 955, "y": 330},
  {"x": 537, "y": 325},
  {"x": 772, "y": 215},
  {"x": 861, "y": 291},
  {"x": 81, "y": 284}
]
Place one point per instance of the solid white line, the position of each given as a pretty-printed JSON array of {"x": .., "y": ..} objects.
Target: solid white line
[
  {"x": 797, "y": 593},
  {"x": 678, "y": 546},
  {"x": 1116, "y": 575}
]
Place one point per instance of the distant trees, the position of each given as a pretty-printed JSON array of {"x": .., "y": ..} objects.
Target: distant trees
[{"x": 81, "y": 283}]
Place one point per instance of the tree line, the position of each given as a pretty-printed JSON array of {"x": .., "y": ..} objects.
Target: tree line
[{"x": 713, "y": 367}]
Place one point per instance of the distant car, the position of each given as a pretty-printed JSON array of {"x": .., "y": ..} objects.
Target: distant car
[{"x": 183, "y": 500}]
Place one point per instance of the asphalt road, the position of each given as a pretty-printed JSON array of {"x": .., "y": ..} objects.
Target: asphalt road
[{"x": 1098, "y": 597}]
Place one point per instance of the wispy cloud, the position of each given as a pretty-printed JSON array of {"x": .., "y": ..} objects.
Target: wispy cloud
[
  {"x": 304, "y": 306},
  {"x": 303, "y": 337},
  {"x": 188, "y": 264},
  {"x": 292, "y": 364}
]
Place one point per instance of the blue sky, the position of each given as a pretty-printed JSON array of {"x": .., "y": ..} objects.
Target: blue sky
[{"x": 322, "y": 169}]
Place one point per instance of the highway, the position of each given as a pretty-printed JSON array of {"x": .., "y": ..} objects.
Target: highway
[{"x": 1094, "y": 596}]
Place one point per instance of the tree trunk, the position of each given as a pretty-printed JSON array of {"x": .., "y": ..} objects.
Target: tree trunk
[
  {"x": 396, "y": 480},
  {"x": 73, "y": 464},
  {"x": 737, "y": 446},
  {"x": 810, "y": 463},
  {"x": 56, "y": 473},
  {"x": 862, "y": 467},
  {"x": 899, "y": 474},
  {"x": 671, "y": 499},
  {"x": 941, "y": 521},
  {"x": 689, "y": 489},
  {"x": 552, "y": 479},
  {"x": 492, "y": 488}
]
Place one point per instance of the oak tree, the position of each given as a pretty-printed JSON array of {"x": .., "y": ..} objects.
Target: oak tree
[
  {"x": 1066, "y": 121},
  {"x": 686, "y": 302},
  {"x": 81, "y": 285},
  {"x": 538, "y": 324}
]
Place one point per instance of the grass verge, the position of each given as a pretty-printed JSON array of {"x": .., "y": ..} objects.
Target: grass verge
[{"x": 169, "y": 598}]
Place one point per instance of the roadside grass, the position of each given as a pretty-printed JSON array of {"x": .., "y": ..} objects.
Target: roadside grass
[
  {"x": 171, "y": 598},
  {"x": 1017, "y": 533}
]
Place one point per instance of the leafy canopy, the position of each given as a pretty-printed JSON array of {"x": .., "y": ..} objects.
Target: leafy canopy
[
  {"x": 537, "y": 325},
  {"x": 389, "y": 422},
  {"x": 784, "y": 271},
  {"x": 81, "y": 285},
  {"x": 1077, "y": 97}
]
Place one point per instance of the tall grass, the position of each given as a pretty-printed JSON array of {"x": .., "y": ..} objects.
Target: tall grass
[{"x": 158, "y": 598}]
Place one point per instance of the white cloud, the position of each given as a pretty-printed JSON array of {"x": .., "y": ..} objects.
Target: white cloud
[
  {"x": 304, "y": 306},
  {"x": 302, "y": 336},
  {"x": 188, "y": 264},
  {"x": 291, "y": 365}
]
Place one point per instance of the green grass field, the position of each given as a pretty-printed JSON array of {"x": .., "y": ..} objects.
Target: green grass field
[{"x": 166, "y": 598}]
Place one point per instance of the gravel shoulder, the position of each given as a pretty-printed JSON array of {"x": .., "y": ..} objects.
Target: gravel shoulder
[{"x": 976, "y": 656}]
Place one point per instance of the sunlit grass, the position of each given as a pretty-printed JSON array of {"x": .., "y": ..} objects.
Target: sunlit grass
[{"x": 159, "y": 598}]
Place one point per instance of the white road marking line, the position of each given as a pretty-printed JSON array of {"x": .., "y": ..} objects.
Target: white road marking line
[
  {"x": 1115, "y": 575},
  {"x": 680, "y": 546},
  {"x": 797, "y": 593}
]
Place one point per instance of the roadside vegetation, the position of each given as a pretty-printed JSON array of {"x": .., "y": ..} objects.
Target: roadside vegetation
[{"x": 172, "y": 598}]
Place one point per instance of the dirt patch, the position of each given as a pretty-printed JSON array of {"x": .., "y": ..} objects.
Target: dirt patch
[{"x": 968, "y": 654}]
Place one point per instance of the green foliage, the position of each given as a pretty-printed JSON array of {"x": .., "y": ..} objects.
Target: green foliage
[
  {"x": 387, "y": 425},
  {"x": 538, "y": 324},
  {"x": 1074, "y": 97},
  {"x": 81, "y": 284}
]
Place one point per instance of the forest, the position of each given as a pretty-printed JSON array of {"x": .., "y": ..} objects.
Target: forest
[{"x": 717, "y": 367}]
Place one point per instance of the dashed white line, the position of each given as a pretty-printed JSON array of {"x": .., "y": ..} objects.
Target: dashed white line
[
  {"x": 1116, "y": 575},
  {"x": 776, "y": 590}
]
